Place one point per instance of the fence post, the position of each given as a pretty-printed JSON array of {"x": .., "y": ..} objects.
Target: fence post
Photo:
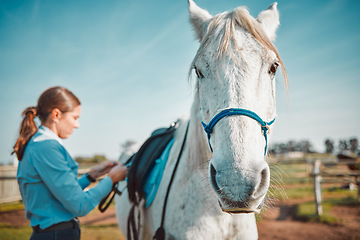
[
  {"x": 357, "y": 182},
  {"x": 317, "y": 187}
]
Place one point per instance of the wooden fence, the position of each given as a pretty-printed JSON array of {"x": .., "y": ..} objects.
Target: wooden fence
[
  {"x": 9, "y": 190},
  {"x": 319, "y": 174}
]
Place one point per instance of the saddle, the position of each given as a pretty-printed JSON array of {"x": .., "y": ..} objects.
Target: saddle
[{"x": 142, "y": 163}]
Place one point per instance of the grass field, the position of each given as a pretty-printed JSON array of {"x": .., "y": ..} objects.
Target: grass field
[{"x": 87, "y": 233}]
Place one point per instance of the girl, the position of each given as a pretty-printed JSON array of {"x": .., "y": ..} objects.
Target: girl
[{"x": 52, "y": 193}]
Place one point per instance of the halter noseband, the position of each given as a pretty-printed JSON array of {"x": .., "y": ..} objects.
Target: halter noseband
[{"x": 237, "y": 111}]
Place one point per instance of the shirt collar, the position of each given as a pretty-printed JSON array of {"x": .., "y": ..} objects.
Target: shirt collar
[{"x": 50, "y": 134}]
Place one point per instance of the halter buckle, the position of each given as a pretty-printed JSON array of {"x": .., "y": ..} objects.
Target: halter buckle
[{"x": 267, "y": 132}]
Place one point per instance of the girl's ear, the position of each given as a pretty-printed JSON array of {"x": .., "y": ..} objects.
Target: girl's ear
[{"x": 55, "y": 115}]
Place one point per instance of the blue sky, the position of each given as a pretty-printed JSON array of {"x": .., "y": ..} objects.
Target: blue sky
[{"x": 128, "y": 61}]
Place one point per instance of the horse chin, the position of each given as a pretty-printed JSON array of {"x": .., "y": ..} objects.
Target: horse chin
[{"x": 240, "y": 208}]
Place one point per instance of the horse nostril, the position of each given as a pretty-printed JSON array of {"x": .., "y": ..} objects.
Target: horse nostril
[
  {"x": 263, "y": 173},
  {"x": 264, "y": 181},
  {"x": 213, "y": 179}
]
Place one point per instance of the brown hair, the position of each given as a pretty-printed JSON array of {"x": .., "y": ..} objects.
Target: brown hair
[{"x": 55, "y": 97}]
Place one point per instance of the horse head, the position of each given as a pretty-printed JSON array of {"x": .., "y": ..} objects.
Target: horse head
[{"x": 235, "y": 67}]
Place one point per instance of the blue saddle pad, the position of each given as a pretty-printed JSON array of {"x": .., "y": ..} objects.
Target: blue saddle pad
[{"x": 153, "y": 181}]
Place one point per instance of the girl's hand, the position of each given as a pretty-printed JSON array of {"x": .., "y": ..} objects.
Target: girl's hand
[
  {"x": 102, "y": 168},
  {"x": 118, "y": 173}
]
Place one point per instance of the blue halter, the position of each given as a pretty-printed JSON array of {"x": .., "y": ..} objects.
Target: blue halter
[{"x": 237, "y": 111}]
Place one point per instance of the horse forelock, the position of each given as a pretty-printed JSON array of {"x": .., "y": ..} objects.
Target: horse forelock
[{"x": 223, "y": 26}]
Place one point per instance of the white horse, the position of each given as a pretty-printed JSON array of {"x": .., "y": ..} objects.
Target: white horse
[{"x": 216, "y": 193}]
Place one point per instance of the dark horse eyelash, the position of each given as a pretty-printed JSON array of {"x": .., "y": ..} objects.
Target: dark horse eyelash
[{"x": 198, "y": 72}]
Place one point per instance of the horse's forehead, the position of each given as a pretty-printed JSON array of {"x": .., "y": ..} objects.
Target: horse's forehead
[
  {"x": 246, "y": 48},
  {"x": 248, "y": 57}
]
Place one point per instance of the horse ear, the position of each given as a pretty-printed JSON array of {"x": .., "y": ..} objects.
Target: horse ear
[
  {"x": 199, "y": 19},
  {"x": 270, "y": 20}
]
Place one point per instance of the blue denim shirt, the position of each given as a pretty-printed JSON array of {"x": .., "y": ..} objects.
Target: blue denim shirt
[{"x": 49, "y": 184}]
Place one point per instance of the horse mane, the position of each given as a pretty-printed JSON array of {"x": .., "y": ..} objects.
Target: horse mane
[{"x": 226, "y": 23}]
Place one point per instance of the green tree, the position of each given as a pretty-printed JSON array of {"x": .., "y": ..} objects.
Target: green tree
[
  {"x": 343, "y": 145},
  {"x": 329, "y": 146},
  {"x": 354, "y": 145},
  {"x": 99, "y": 158}
]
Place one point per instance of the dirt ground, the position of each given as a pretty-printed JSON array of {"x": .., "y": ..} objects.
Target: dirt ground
[{"x": 277, "y": 223}]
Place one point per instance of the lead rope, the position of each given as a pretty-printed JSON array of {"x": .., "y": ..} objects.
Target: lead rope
[
  {"x": 106, "y": 201},
  {"x": 160, "y": 232}
]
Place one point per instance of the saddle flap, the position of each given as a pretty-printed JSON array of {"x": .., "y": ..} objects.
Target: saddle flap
[{"x": 143, "y": 161}]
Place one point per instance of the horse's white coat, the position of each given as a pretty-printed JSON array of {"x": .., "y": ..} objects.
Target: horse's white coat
[{"x": 235, "y": 73}]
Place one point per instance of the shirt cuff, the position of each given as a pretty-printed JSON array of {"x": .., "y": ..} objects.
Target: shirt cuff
[{"x": 83, "y": 181}]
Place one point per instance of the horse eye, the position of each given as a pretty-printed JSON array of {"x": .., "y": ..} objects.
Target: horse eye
[
  {"x": 273, "y": 68},
  {"x": 198, "y": 73}
]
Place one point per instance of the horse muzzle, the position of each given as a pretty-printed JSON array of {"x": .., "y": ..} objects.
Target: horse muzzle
[{"x": 240, "y": 196}]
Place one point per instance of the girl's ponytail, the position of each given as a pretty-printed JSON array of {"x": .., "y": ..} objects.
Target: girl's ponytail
[{"x": 27, "y": 130}]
